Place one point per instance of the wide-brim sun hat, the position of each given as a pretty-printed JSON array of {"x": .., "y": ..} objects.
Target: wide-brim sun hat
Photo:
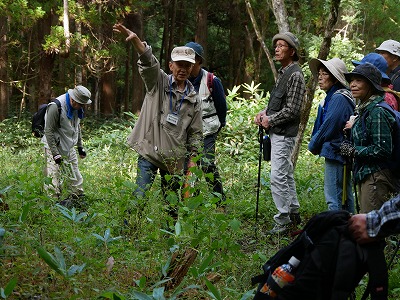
[
  {"x": 369, "y": 72},
  {"x": 183, "y": 53},
  {"x": 377, "y": 60},
  {"x": 335, "y": 66},
  {"x": 80, "y": 94},
  {"x": 390, "y": 46},
  {"x": 289, "y": 38}
]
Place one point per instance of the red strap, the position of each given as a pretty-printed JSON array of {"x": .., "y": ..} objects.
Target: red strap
[{"x": 210, "y": 77}]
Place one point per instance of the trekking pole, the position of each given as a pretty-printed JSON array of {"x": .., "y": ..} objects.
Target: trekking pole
[
  {"x": 344, "y": 190},
  {"x": 260, "y": 138}
]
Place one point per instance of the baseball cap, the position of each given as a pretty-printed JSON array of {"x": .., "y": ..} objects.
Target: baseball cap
[{"x": 183, "y": 53}]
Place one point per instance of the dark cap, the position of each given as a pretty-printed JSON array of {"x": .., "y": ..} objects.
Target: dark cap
[{"x": 197, "y": 48}]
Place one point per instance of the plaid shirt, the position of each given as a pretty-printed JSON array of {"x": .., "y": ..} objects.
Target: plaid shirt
[
  {"x": 372, "y": 138},
  {"x": 296, "y": 89},
  {"x": 386, "y": 220}
]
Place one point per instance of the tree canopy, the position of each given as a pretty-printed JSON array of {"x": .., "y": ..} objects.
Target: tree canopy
[{"x": 48, "y": 46}]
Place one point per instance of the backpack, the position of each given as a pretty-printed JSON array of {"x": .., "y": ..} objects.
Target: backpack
[
  {"x": 331, "y": 263},
  {"x": 38, "y": 121},
  {"x": 394, "y": 163}
]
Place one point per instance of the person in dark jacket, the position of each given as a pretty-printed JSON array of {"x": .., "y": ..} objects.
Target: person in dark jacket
[{"x": 328, "y": 133}]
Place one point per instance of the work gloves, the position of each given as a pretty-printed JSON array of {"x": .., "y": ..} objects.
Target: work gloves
[
  {"x": 58, "y": 159},
  {"x": 347, "y": 149},
  {"x": 82, "y": 152}
]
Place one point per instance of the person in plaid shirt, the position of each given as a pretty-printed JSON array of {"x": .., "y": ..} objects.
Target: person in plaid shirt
[
  {"x": 376, "y": 224},
  {"x": 282, "y": 118},
  {"x": 372, "y": 140}
]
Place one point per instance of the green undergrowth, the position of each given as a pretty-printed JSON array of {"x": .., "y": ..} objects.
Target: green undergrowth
[{"x": 49, "y": 252}]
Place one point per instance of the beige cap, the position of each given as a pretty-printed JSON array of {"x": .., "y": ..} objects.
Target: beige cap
[{"x": 183, "y": 53}]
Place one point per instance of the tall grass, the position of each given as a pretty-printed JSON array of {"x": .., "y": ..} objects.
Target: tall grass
[{"x": 54, "y": 253}]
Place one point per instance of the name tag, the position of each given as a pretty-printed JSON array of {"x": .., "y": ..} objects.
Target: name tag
[{"x": 173, "y": 119}]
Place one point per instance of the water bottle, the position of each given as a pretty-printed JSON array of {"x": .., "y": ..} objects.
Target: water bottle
[{"x": 281, "y": 276}]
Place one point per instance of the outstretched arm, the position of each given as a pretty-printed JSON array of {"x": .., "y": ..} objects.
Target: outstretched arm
[{"x": 130, "y": 36}]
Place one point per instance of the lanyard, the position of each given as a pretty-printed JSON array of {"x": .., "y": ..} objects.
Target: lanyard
[{"x": 170, "y": 97}]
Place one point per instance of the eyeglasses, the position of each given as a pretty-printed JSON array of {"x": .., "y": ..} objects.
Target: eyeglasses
[{"x": 280, "y": 46}]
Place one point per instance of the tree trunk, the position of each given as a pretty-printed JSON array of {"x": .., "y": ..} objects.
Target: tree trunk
[
  {"x": 310, "y": 90},
  {"x": 46, "y": 64},
  {"x": 4, "y": 95},
  {"x": 66, "y": 29},
  {"x": 135, "y": 22},
  {"x": 261, "y": 39},
  {"x": 201, "y": 27},
  {"x": 236, "y": 45},
  {"x": 279, "y": 9}
]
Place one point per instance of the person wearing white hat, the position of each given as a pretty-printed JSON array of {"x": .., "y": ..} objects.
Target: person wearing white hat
[
  {"x": 328, "y": 133},
  {"x": 390, "y": 50},
  {"x": 62, "y": 133},
  {"x": 169, "y": 128},
  {"x": 281, "y": 118}
]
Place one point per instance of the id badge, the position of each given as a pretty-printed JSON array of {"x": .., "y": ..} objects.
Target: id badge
[{"x": 173, "y": 119}]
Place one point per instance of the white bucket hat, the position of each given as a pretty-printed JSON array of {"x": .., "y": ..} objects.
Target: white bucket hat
[
  {"x": 391, "y": 46},
  {"x": 334, "y": 65},
  {"x": 80, "y": 94}
]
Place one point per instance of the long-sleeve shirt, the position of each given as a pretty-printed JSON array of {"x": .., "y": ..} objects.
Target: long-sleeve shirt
[
  {"x": 294, "y": 98},
  {"x": 386, "y": 220},
  {"x": 372, "y": 138}
]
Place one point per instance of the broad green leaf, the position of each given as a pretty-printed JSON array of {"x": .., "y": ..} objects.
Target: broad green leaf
[
  {"x": 50, "y": 260},
  {"x": 10, "y": 287},
  {"x": 213, "y": 290}
]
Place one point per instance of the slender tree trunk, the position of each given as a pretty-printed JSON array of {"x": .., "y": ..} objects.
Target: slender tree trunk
[
  {"x": 236, "y": 45},
  {"x": 261, "y": 39},
  {"x": 66, "y": 29},
  {"x": 4, "y": 95},
  {"x": 310, "y": 90},
  {"x": 201, "y": 28},
  {"x": 279, "y": 9},
  {"x": 135, "y": 22},
  {"x": 46, "y": 64}
]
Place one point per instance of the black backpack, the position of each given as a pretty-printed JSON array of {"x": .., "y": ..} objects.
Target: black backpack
[
  {"x": 331, "y": 263},
  {"x": 38, "y": 121}
]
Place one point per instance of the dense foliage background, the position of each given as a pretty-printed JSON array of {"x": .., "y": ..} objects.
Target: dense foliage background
[{"x": 47, "y": 252}]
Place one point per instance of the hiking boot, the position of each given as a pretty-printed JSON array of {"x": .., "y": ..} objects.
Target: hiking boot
[
  {"x": 279, "y": 229},
  {"x": 295, "y": 218}
]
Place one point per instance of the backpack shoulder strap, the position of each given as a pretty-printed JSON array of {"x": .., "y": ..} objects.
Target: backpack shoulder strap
[
  {"x": 58, "y": 103},
  {"x": 210, "y": 78},
  {"x": 378, "y": 272}
]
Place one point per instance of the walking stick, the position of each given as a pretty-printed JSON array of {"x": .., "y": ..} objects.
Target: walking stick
[
  {"x": 260, "y": 138},
  {"x": 344, "y": 190}
]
